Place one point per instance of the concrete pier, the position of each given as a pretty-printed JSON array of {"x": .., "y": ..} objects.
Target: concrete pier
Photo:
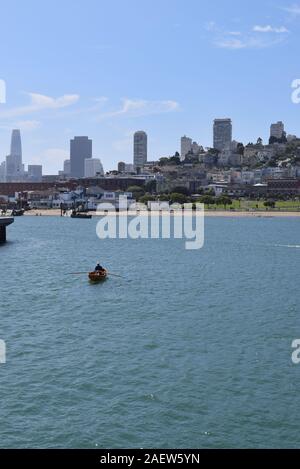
[{"x": 4, "y": 222}]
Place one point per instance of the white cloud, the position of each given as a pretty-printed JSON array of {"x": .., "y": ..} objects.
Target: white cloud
[
  {"x": 211, "y": 26},
  {"x": 246, "y": 43},
  {"x": 141, "y": 107},
  {"x": 39, "y": 102},
  {"x": 27, "y": 125},
  {"x": 270, "y": 29},
  {"x": 101, "y": 99},
  {"x": 230, "y": 44},
  {"x": 294, "y": 9},
  {"x": 237, "y": 40}
]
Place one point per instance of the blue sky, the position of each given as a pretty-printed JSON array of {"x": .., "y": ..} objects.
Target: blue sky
[{"x": 107, "y": 68}]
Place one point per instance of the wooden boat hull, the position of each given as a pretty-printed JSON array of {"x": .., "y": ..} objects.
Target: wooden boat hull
[{"x": 97, "y": 277}]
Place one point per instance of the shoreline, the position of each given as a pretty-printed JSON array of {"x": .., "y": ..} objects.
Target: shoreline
[{"x": 208, "y": 213}]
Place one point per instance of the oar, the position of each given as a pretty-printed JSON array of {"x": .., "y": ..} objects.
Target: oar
[
  {"x": 77, "y": 273},
  {"x": 115, "y": 275},
  {"x": 82, "y": 273}
]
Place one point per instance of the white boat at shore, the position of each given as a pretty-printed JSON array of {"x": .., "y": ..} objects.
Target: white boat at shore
[{"x": 6, "y": 213}]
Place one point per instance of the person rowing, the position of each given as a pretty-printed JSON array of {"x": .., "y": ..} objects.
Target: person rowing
[{"x": 99, "y": 268}]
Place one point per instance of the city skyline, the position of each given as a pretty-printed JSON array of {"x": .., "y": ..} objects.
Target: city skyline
[
  {"x": 81, "y": 161},
  {"x": 107, "y": 84}
]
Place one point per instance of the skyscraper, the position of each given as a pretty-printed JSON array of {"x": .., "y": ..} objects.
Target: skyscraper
[
  {"x": 222, "y": 134},
  {"x": 80, "y": 149},
  {"x": 186, "y": 147},
  {"x": 277, "y": 130},
  {"x": 14, "y": 166},
  {"x": 93, "y": 167},
  {"x": 140, "y": 143},
  {"x": 3, "y": 171},
  {"x": 67, "y": 168},
  {"x": 16, "y": 146},
  {"x": 35, "y": 173}
]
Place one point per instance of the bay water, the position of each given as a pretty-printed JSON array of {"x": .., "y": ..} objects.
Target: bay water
[{"x": 189, "y": 349}]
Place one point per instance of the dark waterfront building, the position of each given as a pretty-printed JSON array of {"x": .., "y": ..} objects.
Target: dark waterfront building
[{"x": 108, "y": 184}]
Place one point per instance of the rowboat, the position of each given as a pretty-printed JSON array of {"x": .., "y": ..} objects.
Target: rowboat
[
  {"x": 98, "y": 276},
  {"x": 81, "y": 215}
]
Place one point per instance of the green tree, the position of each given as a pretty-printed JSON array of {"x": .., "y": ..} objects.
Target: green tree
[
  {"x": 270, "y": 203},
  {"x": 164, "y": 198},
  {"x": 240, "y": 148},
  {"x": 147, "y": 198},
  {"x": 181, "y": 190},
  {"x": 207, "y": 200},
  {"x": 172, "y": 160},
  {"x": 210, "y": 192},
  {"x": 137, "y": 191},
  {"x": 150, "y": 186},
  {"x": 163, "y": 161},
  {"x": 175, "y": 160},
  {"x": 175, "y": 197},
  {"x": 224, "y": 200}
]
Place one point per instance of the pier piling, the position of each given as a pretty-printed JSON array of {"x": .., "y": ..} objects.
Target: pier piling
[{"x": 4, "y": 222}]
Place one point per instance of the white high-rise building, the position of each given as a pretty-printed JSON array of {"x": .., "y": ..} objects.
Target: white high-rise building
[
  {"x": 277, "y": 130},
  {"x": 93, "y": 167},
  {"x": 196, "y": 148},
  {"x": 222, "y": 134},
  {"x": 14, "y": 166},
  {"x": 186, "y": 146},
  {"x": 140, "y": 149},
  {"x": 16, "y": 146}
]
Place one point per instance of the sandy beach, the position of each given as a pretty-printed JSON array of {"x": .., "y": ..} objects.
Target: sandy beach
[{"x": 208, "y": 213}]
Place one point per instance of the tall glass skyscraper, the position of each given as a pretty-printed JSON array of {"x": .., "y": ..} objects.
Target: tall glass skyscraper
[
  {"x": 81, "y": 148},
  {"x": 14, "y": 165},
  {"x": 140, "y": 149},
  {"x": 16, "y": 146},
  {"x": 222, "y": 134}
]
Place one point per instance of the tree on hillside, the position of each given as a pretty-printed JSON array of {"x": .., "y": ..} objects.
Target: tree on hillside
[
  {"x": 172, "y": 160},
  {"x": 273, "y": 140},
  {"x": 163, "y": 161},
  {"x": 175, "y": 160},
  {"x": 240, "y": 149}
]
